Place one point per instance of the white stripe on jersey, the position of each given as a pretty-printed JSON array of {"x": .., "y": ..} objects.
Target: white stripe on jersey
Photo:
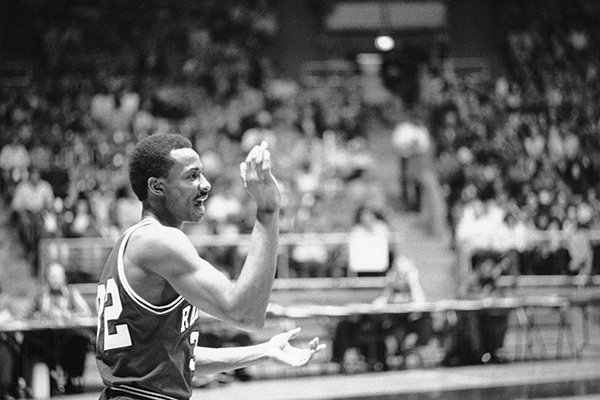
[
  {"x": 142, "y": 393},
  {"x": 121, "y": 271}
]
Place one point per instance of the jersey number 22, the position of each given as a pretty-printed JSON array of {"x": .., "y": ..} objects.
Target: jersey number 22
[{"x": 119, "y": 337}]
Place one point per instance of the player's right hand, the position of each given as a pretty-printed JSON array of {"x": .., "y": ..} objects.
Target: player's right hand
[
  {"x": 283, "y": 352},
  {"x": 258, "y": 179}
]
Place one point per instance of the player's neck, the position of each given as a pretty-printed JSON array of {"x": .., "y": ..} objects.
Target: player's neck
[{"x": 163, "y": 218}]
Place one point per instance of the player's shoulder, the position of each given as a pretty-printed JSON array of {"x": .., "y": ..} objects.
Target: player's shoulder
[{"x": 156, "y": 238}]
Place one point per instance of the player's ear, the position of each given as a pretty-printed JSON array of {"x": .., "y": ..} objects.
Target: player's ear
[{"x": 155, "y": 186}]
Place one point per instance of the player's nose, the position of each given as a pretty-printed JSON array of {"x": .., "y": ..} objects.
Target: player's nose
[{"x": 204, "y": 185}]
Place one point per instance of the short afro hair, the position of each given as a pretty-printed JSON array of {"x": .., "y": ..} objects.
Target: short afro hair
[{"x": 151, "y": 157}]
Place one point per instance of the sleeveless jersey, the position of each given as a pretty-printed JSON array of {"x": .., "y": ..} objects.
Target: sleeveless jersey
[{"x": 143, "y": 350}]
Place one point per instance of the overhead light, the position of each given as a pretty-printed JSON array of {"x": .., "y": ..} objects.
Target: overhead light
[{"x": 384, "y": 43}]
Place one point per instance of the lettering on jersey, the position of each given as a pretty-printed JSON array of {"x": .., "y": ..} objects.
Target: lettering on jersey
[{"x": 189, "y": 315}]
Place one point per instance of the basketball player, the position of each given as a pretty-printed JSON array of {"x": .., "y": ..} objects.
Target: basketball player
[{"x": 154, "y": 284}]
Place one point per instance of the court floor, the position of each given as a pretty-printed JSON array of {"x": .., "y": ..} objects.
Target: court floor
[{"x": 561, "y": 379}]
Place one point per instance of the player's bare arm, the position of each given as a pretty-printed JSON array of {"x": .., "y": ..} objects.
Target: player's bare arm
[
  {"x": 278, "y": 348},
  {"x": 167, "y": 255},
  {"x": 166, "y": 252}
]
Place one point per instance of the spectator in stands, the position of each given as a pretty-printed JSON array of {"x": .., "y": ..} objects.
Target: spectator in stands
[
  {"x": 67, "y": 349},
  {"x": 101, "y": 201},
  {"x": 580, "y": 254},
  {"x": 14, "y": 162},
  {"x": 309, "y": 258},
  {"x": 82, "y": 222},
  {"x": 369, "y": 243},
  {"x": 126, "y": 209},
  {"x": 550, "y": 256},
  {"x": 33, "y": 198},
  {"x": 368, "y": 255}
]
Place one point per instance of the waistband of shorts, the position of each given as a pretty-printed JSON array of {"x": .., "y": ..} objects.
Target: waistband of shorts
[{"x": 128, "y": 392}]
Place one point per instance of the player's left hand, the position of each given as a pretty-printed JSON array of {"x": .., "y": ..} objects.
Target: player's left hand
[
  {"x": 259, "y": 180},
  {"x": 281, "y": 350}
]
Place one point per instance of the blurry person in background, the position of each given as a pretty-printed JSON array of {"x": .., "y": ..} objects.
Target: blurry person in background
[
  {"x": 549, "y": 256},
  {"x": 308, "y": 258},
  {"x": 14, "y": 161},
  {"x": 478, "y": 336},
  {"x": 402, "y": 283},
  {"x": 369, "y": 244},
  {"x": 420, "y": 187},
  {"x": 9, "y": 352},
  {"x": 100, "y": 201},
  {"x": 82, "y": 222},
  {"x": 126, "y": 208},
  {"x": 406, "y": 331},
  {"x": 411, "y": 140},
  {"x": 394, "y": 335},
  {"x": 64, "y": 349},
  {"x": 33, "y": 197},
  {"x": 580, "y": 253}
]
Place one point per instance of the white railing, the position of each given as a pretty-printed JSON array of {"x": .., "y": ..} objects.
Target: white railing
[
  {"x": 466, "y": 249},
  {"x": 87, "y": 255}
]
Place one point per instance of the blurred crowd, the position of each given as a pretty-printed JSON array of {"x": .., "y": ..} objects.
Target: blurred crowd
[
  {"x": 517, "y": 155},
  {"x": 203, "y": 71},
  {"x": 520, "y": 154}
]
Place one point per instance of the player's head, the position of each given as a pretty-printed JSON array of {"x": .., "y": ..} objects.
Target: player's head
[
  {"x": 166, "y": 174},
  {"x": 151, "y": 157}
]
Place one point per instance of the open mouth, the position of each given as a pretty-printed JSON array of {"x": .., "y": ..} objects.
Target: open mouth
[{"x": 199, "y": 202}]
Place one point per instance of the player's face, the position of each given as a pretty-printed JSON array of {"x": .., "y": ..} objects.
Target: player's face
[{"x": 186, "y": 188}]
